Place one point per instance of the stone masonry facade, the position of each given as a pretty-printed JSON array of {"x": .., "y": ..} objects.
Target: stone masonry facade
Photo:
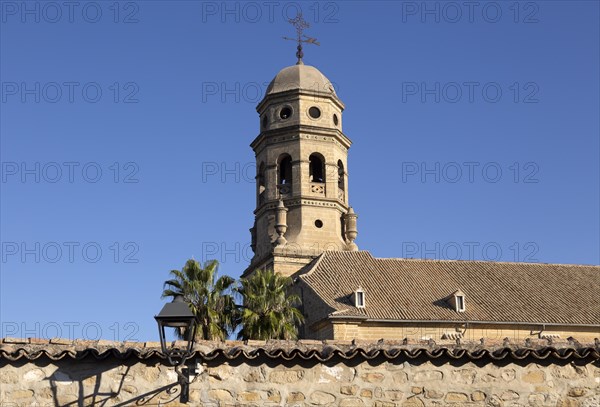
[{"x": 284, "y": 374}]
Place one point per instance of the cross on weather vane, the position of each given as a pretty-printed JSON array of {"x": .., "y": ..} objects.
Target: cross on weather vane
[{"x": 300, "y": 24}]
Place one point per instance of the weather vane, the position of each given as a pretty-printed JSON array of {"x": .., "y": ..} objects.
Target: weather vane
[{"x": 300, "y": 24}]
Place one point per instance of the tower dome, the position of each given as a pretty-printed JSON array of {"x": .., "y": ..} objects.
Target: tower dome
[{"x": 300, "y": 77}]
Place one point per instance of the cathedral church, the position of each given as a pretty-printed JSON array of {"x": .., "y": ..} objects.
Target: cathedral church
[{"x": 305, "y": 227}]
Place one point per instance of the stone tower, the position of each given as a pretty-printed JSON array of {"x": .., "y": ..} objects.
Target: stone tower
[{"x": 302, "y": 181}]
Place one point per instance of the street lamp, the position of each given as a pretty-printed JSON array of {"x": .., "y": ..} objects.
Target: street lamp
[{"x": 177, "y": 314}]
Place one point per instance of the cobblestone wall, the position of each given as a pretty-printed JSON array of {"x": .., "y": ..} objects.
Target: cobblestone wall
[{"x": 276, "y": 382}]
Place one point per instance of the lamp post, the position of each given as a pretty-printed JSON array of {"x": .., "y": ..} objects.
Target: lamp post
[{"x": 177, "y": 314}]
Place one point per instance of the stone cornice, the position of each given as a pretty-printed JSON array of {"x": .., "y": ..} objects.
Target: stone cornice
[
  {"x": 299, "y": 132},
  {"x": 302, "y": 201}
]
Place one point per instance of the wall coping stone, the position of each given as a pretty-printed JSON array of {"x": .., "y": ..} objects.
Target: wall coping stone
[{"x": 13, "y": 349}]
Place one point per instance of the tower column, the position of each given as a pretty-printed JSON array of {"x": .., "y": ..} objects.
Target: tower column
[
  {"x": 298, "y": 170},
  {"x": 304, "y": 170},
  {"x": 331, "y": 181},
  {"x": 271, "y": 182}
]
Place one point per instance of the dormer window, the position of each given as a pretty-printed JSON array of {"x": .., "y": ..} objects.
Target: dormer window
[
  {"x": 359, "y": 298},
  {"x": 460, "y": 303},
  {"x": 457, "y": 300}
]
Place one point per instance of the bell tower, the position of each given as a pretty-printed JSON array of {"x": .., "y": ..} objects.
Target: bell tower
[{"x": 301, "y": 154}]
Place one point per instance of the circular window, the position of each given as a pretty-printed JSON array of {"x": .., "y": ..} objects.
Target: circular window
[
  {"x": 335, "y": 119},
  {"x": 319, "y": 223},
  {"x": 264, "y": 122},
  {"x": 285, "y": 113},
  {"x": 314, "y": 112}
]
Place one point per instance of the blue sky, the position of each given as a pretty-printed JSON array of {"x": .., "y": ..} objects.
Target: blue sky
[{"x": 125, "y": 132}]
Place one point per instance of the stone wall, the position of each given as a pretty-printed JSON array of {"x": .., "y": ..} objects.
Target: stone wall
[
  {"x": 515, "y": 333},
  {"x": 274, "y": 381}
]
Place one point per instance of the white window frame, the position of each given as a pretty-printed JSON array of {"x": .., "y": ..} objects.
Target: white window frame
[
  {"x": 359, "y": 293},
  {"x": 460, "y": 303}
]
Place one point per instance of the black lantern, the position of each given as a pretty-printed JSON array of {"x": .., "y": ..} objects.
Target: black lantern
[{"x": 177, "y": 314}]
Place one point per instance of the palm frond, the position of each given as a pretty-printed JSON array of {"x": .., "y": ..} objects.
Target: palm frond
[{"x": 208, "y": 298}]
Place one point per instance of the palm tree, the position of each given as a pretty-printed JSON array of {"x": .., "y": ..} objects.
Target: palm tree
[
  {"x": 210, "y": 299},
  {"x": 269, "y": 310}
]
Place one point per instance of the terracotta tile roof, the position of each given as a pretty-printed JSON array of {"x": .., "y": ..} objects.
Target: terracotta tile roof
[
  {"x": 16, "y": 350},
  {"x": 417, "y": 290}
]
